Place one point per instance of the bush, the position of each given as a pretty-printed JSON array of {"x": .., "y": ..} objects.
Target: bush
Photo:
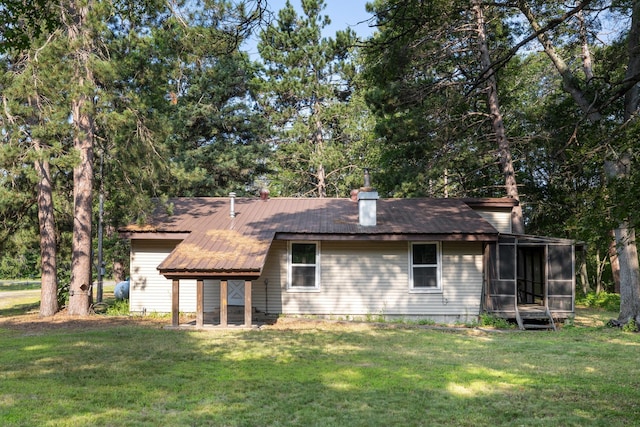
[
  {"x": 630, "y": 326},
  {"x": 604, "y": 300},
  {"x": 118, "y": 308},
  {"x": 487, "y": 319}
]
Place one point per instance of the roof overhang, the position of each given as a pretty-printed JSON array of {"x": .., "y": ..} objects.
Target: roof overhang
[
  {"x": 480, "y": 237},
  {"x": 216, "y": 275},
  {"x": 153, "y": 235},
  {"x": 533, "y": 239}
]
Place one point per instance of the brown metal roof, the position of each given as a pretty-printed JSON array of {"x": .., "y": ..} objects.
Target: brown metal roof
[{"x": 219, "y": 244}]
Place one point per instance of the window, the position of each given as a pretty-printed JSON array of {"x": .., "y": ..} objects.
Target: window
[
  {"x": 303, "y": 266},
  {"x": 425, "y": 267}
]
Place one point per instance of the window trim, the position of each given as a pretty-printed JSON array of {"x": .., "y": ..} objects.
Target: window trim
[
  {"x": 290, "y": 287},
  {"x": 438, "y": 265}
]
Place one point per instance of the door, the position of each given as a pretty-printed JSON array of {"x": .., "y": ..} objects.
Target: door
[
  {"x": 235, "y": 292},
  {"x": 531, "y": 275}
]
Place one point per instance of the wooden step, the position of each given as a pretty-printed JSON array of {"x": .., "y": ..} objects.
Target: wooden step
[
  {"x": 547, "y": 326},
  {"x": 540, "y": 313}
]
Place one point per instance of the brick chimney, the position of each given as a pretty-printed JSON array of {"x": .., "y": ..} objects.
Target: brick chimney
[{"x": 367, "y": 203}]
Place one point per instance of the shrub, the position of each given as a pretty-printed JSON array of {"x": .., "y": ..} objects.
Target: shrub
[
  {"x": 604, "y": 300},
  {"x": 118, "y": 308},
  {"x": 487, "y": 319},
  {"x": 630, "y": 326}
]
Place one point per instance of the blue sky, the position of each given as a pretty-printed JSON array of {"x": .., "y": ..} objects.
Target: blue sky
[{"x": 343, "y": 14}]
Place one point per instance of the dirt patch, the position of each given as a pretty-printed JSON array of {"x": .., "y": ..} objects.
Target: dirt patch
[{"x": 33, "y": 323}]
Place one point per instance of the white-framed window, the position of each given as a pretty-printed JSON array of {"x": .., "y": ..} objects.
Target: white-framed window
[
  {"x": 303, "y": 269},
  {"x": 425, "y": 266}
]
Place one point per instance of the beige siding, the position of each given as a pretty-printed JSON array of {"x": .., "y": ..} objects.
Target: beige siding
[
  {"x": 151, "y": 292},
  {"x": 499, "y": 218},
  {"x": 372, "y": 278},
  {"x": 357, "y": 279}
]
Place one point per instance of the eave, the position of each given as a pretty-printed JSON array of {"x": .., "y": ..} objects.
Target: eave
[
  {"x": 373, "y": 237},
  {"x": 220, "y": 275}
]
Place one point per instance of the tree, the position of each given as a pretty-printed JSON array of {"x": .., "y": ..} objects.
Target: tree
[
  {"x": 115, "y": 108},
  {"x": 435, "y": 91},
  {"x": 34, "y": 133},
  {"x": 497, "y": 121},
  {"x": 610, "y": 109},
  {"x": 306, "y": 85},
  {"x": 23, "y": 21},
  {"x": 82, "y": 50}
]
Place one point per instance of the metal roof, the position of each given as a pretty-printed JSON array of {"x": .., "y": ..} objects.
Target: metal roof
[{"x": 218, "y": 244}]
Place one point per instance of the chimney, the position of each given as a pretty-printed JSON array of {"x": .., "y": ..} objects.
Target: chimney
[
  {"x": 367, "y": 201},
  {"x": 232, "y": 210},
  {"x": 264, "y": 194}
]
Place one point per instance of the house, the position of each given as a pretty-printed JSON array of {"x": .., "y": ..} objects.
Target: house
[{"x": 447, "y": 260}]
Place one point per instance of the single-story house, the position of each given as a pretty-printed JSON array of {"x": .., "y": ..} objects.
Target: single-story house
[{"x": 447, "y": 259}]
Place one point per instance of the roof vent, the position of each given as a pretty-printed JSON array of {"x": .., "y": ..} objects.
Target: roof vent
[
  {"x": 232, "y": 207},
  {"x": 367, "y": 203}
]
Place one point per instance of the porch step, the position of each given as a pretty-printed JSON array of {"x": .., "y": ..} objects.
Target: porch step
[{"x": 534, "y": 317}]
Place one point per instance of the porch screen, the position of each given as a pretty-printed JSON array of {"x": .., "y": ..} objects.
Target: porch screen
[{"x": 560, "y": 277}]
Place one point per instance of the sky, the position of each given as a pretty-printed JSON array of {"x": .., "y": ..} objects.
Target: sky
[{"x": 343, "y": 14}]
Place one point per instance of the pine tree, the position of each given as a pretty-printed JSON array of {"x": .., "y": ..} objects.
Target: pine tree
[{"x": 306, "y": 87}]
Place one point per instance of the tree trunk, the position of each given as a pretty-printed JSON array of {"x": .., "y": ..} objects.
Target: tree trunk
[
  {"x": 319, "y": 148},
  {"x": 118, "y": 271},
  {"x": 587, "y": 63},
  {"x": 629, "y": 289},
  {"x": 82, "y": 206},
  {"x": 613, "y": 261},
  {"x": 504, "y": 148},
  {"x": 81, "y": 106},
  {"x": 583, "y": 273},
  {"x": 625, "y": 235},
  {"x": 48, "y": 252}
]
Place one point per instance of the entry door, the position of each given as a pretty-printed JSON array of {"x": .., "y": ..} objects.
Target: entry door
[{"x": 235, "y": 292}]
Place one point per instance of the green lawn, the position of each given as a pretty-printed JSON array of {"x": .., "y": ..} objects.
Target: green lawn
[
  {"x": 19, "y": 285},
  {"x": 327, "y": 375}
]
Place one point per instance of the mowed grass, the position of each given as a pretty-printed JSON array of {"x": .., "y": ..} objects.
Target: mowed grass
[
  {"x": 23, "y": 296},
  {"x": 326, "y": 374}
]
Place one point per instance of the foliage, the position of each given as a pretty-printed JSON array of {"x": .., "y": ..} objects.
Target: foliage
[
  {"x": 21, "y": 21},
  {"x": 147, "y": 52},
  {"x": 118, "y": 308},
  {"x": 426, "y": 91},
  {"x": 604, "y": 300},
  {"x": 489, "y": 319},
  {"x": 307, "y": 94},
  {"x": 63, "y": 294},
  {"x": 630, "y": 326}
]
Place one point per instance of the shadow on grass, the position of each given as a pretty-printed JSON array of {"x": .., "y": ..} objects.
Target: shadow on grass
[
  {"x": 20, "y": 309},
  {"x": 133, "y": 375}
]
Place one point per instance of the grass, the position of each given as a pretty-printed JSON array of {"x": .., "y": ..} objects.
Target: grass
[
  {"x": 19, "y": 296},
  {"x": 329, "y": 374},
  {"x": 19, "y": 285},
  {"x": 23, "y": 296}
]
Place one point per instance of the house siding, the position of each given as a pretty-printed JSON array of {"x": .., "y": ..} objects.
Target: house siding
[
  {"x": 358, "y": 279},
  {"x": 372, "y": 279},
  {"x": 151, "y": 292},
  {"x": 499, "y": 218}
]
